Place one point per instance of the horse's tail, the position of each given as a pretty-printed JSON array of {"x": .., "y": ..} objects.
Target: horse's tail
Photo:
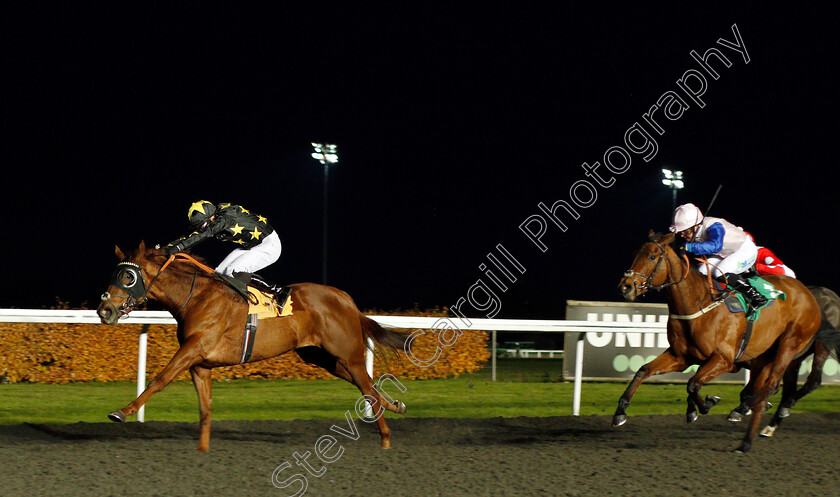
[
  {"x": 829, "y": 303},
  {"x": 829, "y": 338},
  {"x": 394, "y": 340}
]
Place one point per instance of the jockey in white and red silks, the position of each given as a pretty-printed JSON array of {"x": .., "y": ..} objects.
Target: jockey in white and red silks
[
  {"x": 769, "y": 263},
  {"x": 730, "y": 253}
]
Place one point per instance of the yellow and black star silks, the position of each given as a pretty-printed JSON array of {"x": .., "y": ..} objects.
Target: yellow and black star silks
[{"x": 229, "y": 223}]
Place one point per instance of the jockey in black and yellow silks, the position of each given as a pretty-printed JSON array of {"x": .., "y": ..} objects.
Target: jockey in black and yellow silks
[{"x": 258, "y": 243}]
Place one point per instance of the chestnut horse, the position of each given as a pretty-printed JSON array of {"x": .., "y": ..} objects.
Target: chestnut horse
[
  {"x": 829, "y": 303},
  {"x": 325, "y": 329},
  {"x": 711, "y": 338}
]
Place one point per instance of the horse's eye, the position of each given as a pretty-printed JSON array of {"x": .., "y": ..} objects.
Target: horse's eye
[
  {"x": 127, "y": 278},
  {"x": 652, "y": 257}
]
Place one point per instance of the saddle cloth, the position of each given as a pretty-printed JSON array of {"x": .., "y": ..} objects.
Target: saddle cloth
[
  {"x": 737, "y": 303},
  {"x": 264, "y": 305}
]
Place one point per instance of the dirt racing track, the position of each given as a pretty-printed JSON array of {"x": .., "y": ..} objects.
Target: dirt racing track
[{"x": 650, "y": 455}]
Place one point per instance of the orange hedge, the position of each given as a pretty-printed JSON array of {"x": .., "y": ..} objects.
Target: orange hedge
[{"x": 61, "y": 353}]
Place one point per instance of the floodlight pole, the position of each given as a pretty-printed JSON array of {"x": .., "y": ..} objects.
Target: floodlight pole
[
  {"x": 326, "y": 154},
  {"x": 324, "y": 255}
]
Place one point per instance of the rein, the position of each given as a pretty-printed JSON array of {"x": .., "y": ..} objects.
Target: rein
[{"x": 189, "y": 258}]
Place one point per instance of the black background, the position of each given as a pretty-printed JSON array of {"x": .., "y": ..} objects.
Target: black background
[{"x": 452, "y": 123}]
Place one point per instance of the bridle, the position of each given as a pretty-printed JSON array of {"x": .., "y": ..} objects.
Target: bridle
[
  {"x": 642, "y": 288},
  {"x": 135, "y": 286}
]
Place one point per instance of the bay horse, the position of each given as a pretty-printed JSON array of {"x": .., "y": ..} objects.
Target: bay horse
[
  {"x": 710, "y": 337},
  {"x": 829, "y": 303},
  {"x": 326, "y": 329}
]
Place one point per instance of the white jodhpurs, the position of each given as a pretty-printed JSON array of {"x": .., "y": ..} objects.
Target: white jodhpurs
[
  {"x": 737, "y": 262},
  {"x": 253, "y": 259}
]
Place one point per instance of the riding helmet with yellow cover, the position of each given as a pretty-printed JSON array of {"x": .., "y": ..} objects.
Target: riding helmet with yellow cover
[{"x": 200, "y": 212}]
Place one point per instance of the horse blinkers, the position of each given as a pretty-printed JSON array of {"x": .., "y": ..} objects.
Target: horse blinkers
[{"x": 128, "y": 277}]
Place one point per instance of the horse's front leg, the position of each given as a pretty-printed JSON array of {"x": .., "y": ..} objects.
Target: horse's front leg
[
  {"x": 743, "y": 409},
  {"x": 715, "y": 366},
  {"x": 203, "y": 386},
  {"x": 667, "y": 362},
  {"x": 188, "y": 355}
]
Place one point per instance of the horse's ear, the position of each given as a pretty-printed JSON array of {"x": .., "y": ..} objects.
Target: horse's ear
[
  {"x": 142, "y": 246},
  {"x": 667, "y": 239},
  {"x": 651, "y": 235},
  {"x": 119, "y": 252}
]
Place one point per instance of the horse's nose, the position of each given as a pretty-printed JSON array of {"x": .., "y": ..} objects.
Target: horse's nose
[
  {"x": 627, "y": 289},
  {"x": 107, "y": 313}
]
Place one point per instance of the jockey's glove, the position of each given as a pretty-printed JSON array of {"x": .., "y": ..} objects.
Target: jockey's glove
[{"x": 171, "y": 249}]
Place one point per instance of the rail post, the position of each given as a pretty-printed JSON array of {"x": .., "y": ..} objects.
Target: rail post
[
  {"x": 141, "y": 368},
  {"x": 493, "y": 356},
  {"x": 369, "y": 368},
  {"x": 578, "y": 374}
]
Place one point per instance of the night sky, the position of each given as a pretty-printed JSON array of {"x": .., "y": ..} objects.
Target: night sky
[{"x": 452, "y": 123}]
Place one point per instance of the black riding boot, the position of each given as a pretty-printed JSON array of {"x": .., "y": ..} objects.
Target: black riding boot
[
  {"x": 281, "y": 293},
  {"x": 754, "y": 299}
]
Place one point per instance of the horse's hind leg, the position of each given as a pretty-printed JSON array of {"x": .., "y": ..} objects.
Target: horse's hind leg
[
  {"x": 203, "y": 386},
  {"x": 365, "y": 384},
  {"x": 762, "y": 390},
  {"x": 354, "y": 371},
  {"x": 814, "y": 379},
  {"x": 790, "y": 396},
  {"x": 770, "y": 373}
]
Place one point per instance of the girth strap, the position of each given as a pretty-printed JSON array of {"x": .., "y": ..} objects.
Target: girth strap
[
  {"x": 744, "y": 340},
  {"x": 250, "y": 336}
]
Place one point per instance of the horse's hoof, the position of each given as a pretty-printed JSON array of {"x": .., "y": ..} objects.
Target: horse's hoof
[
  {"x": 117, "y": 416},
  {"x": 735, "y": 417},
  {"x": 400, "y": 407},
  {"x": 618, "y": 420},
  {"x": 691, "y": 417},
  {"x": 783, "y": 412},
  {"x": 712, "y": 400},
  {"x": 768, "y": 431}
]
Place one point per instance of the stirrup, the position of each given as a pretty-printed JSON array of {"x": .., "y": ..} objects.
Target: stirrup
[{"x": 282, "y": 295}]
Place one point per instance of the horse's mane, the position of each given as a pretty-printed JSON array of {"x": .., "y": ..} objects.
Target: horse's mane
[
  {"x": 657, "y": 237},
  {"x": 185, "y": 269}
]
